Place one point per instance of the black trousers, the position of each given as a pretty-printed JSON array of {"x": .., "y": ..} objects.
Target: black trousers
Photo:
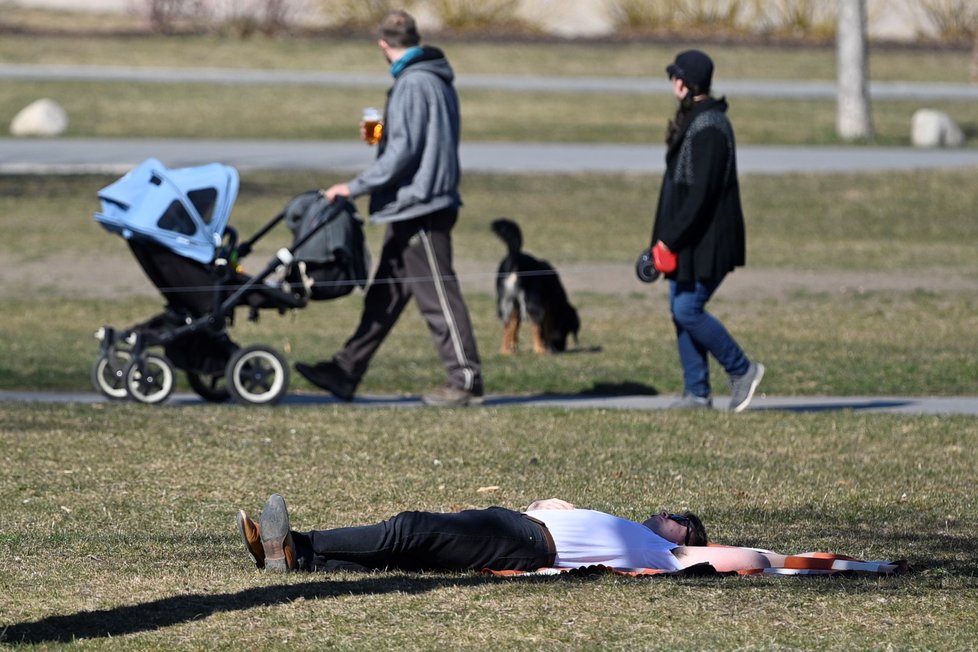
[
  {"x": 496, "y": 538},
  {"x": 416, "y": 260}
]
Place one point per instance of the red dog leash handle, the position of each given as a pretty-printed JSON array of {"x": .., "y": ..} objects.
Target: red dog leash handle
[{"x": 663, "y": 259}]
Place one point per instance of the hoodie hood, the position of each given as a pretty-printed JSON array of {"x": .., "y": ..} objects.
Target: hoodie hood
[{"x": 426, "y": 58}]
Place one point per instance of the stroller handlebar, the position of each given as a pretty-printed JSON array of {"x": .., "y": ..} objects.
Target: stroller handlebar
[{"x": 245, "y": 247}]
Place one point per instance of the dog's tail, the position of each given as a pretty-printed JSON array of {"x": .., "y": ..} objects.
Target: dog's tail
[{"x": 510, "y": 233}]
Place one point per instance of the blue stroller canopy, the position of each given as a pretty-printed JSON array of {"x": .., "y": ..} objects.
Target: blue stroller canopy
[{"x": 184, "y": 209}]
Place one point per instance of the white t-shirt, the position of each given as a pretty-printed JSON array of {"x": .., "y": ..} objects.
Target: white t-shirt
[{"x": 585, "y": 537}]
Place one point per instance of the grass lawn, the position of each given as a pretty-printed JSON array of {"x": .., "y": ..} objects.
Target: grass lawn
[
  {"x": 114, "y": 110},
  {"x": 122, "y": 514},
  {"x": 917, "y": 339},
  {"x": 105, "y": 109},
  {"x": 474, "y": 56},
  {"x": 874, "y": 222},
  {"x": 116, "y": 520}
]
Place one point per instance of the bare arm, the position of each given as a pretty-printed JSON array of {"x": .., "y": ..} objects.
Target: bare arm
[
  {"x": 550, "y": 503},
  {"x": 726, "y": 559}
]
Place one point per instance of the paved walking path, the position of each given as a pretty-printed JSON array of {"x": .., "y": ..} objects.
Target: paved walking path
[
  {"x": 800, "y": 89},
  {"x": 911, "y": 405},
  {"x": 118, "y": 155}
]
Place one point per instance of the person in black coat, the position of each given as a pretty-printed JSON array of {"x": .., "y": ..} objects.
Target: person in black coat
[{"x": 698, "y": 235}]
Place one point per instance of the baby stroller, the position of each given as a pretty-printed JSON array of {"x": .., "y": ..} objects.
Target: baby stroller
[{"x": 176, "y": 224}]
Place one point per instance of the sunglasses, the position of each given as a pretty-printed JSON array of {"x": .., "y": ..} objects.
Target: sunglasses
[{"x": 685, "y": 522}]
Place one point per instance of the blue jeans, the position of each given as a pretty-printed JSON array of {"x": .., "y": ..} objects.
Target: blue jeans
[
  {"x": 496, "y": 538},
  {"x": 699, "y": 333}
]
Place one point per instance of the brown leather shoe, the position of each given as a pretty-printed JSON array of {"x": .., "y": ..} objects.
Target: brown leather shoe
[
  {"x": 251, "y": 535},
  {"x": 276, "y": 535}
]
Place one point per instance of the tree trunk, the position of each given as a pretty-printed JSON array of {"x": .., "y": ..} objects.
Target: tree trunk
[
  {"x": 855, "y": 119},
  {"x": 974, "y": 60}
]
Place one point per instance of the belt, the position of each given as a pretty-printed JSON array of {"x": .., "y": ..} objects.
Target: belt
[{"x": 551, "y": 546}]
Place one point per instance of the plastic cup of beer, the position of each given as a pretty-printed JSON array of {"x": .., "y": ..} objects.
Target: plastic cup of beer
[{"x": 373, "y": 125}]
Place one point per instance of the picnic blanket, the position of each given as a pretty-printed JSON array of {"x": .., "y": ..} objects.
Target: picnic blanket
[{"x": 809, "y": 563}]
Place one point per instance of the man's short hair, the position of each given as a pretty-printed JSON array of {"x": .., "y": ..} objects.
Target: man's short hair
[
  {"x": 399, "y": 30},
  {"x": 697, "y": 531}
]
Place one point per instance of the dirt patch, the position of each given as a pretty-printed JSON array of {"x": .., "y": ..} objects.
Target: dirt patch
[{"x": 118, "y": 276}]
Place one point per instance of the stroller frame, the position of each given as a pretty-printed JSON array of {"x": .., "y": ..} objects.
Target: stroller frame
[{"x": 128, "y": 368}]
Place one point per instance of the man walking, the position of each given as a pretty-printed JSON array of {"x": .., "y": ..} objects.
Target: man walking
[{"x": 413, "y": 188}]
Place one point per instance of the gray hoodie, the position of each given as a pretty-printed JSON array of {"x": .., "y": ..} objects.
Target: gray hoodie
[{"x": 417, "y": 169}]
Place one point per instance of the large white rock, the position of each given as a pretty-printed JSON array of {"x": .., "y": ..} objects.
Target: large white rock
[
  {"x": 932, "y": 128},
  {"x": 41, "y": 118}
]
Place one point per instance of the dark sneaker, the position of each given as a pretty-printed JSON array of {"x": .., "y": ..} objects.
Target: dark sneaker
[
  {"x": 329, "y": 376},
  {"x": 692, "y": 402},
  {"x": 451, "y": 396},
  {"x": 276, "y": 535},
  {"x": 742, "y": 387},
  {"x": 251, "y": 536}
]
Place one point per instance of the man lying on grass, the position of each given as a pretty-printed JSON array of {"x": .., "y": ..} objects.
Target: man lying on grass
[{"x": 551, "y": 533}]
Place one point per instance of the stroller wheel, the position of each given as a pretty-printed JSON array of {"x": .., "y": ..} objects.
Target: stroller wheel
[
  {"x": 150, "y": 379},
  {"x": 257, "y": 375},
  {"x": 109, "y": 374},
  {"x": 210, "y": 387}
]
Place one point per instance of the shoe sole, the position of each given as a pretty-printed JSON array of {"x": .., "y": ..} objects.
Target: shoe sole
[
  {"x": 753, "y": 387},
  {"x": 307, "y": 372},
  {"x": 474, "y": 400},
  {"x": 276, "y": 534},
  {"x": 240, "y": 520}
]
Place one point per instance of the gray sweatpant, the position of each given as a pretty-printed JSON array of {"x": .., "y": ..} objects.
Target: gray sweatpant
[{"x": 416, "y": 260}]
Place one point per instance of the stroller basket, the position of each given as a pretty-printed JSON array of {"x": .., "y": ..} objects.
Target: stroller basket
[
  {"x": 332, "y": 258},
  {"x": 176, "y": 224}
]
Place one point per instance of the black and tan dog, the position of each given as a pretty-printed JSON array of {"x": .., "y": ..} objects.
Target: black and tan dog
[{"x": 527, "y": 287}]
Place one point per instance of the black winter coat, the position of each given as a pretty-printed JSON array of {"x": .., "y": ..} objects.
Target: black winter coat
[{"x": 699, "y": 214}]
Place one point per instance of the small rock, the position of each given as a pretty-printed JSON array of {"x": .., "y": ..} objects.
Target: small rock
[
  {"x": 932, "y": 128},
  {"x": 44, "y": 117}
]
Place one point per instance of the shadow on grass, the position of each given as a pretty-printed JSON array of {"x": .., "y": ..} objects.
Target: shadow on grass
[
  {"x": 833, "y": 406},
  {"x": 175, "y": 610},
  {"x": 583, "y": 349},
  {"x": 624, "y": 388},
  {"x": 166, "y": 612},
  {"x": 942, "y": 553},
  {"x": 926, "y": 548},
  {"x": 597, "y": 390}
]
